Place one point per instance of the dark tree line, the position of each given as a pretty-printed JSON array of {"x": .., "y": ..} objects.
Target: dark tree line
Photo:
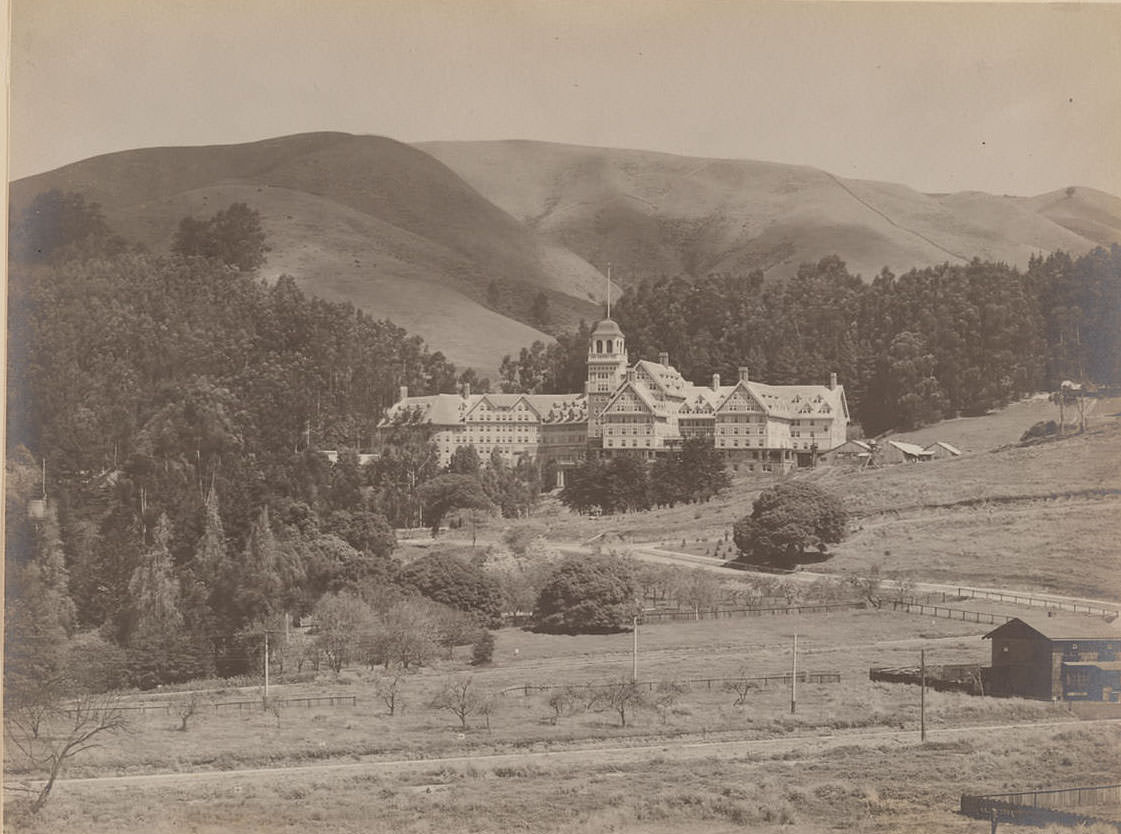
[
  {"x": 626, "y": 483},
  {"x": 175, "y": 405},
  {"x": 911, "y": 349}
]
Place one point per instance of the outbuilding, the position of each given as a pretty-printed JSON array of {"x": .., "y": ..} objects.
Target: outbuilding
[
  {"x": 1056, "y": 658},
  {"x": 900, "y": 451},
  {"x": 941, "y": 449}
]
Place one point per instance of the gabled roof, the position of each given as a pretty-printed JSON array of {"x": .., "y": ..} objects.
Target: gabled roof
[
  {"x": 639, "y": 389},
  {"x": 794, "y": 401},
  {"x": 434, "y": 409},
  {"x": 859, "y": 444},
  {"x": 702, "y": 399},
  {"x": 910, "y": 449},
  {"x": 953, "y": 450},
  {"x": 502, "y": 402},
  {"x": 1059, "y": 627},
  {"x": 749, "y": 391},
  {"x": 560, "y": 408},
  {"x": 665, "y": 377}
]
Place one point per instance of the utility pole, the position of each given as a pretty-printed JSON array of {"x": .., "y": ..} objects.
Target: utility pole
[
  {"x": 265, "y": 698},
  {"x": 922, "y": 695},
  {"x": 794, "y": 677},
  {"x": 634, "y": 653}
]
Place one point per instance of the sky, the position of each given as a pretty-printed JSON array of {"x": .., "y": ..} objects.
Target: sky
[{"x": 1006, "y": 98}]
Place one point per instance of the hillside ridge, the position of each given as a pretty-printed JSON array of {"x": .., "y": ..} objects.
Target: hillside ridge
[{"x": 455, "y": 240}]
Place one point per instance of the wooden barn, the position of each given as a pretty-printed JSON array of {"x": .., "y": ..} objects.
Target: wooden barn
[
  {"x": 1057, "y": 658},
  {"x": 900, "y": 451},
  {"x": 851, "y": 451}
]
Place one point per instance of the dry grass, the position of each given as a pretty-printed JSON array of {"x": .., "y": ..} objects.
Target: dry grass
[
  {"x": 880, "y": 788},
  {"x": 1032, "y": 518}
]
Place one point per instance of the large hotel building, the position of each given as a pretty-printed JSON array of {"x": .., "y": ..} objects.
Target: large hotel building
[{"x": 641, "y": 409}]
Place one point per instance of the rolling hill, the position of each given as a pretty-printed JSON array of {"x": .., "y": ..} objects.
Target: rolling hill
[
  {"x": 653, "y": 213},
  {"x": 454, "y": 240},
  {"x": 360, "y": 218}
]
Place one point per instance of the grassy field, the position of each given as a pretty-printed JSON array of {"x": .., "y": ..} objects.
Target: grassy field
[
  {"x": 1039, "y": 517},
  {"x": 1034, "y": 518},
  {"x": 849, "y": 758}
]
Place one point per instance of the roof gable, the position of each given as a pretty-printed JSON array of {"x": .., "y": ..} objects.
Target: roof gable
[
  {"x": 631, "y": 393},
  {"x": 741, "y": 398},
  {"x": 1061, "y": 626}
]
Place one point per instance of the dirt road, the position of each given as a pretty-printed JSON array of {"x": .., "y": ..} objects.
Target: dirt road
[{"x": 587, "y": 755}]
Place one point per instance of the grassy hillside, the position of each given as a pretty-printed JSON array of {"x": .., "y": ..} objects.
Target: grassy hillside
[
  {"x": 1039, "y": 518},
  {"x": 453, "y": 240},
  {"x": 360, "y": 218},
  {"x": 655, "y": 214}
]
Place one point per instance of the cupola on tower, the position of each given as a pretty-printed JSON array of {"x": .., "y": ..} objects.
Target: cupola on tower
[{"x": 607, "y": 369}]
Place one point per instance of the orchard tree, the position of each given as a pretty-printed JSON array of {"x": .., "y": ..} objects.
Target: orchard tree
[
  {"x": 587, "y": 595},
  {"x": 787, "y": 520}
]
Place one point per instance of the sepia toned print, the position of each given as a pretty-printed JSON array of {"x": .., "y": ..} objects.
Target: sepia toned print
[{"x": 666, "y": 417}]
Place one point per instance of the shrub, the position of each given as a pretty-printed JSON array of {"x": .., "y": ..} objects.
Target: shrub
[
  {"x": 587, "y": 595},
  {"x": 482, "y": 652}
]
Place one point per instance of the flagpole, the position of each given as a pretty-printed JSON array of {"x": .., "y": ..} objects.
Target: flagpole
[{"x": 609, "y": 290}]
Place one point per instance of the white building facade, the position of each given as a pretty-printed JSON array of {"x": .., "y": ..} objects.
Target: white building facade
[{"x": 645, "y": 409}]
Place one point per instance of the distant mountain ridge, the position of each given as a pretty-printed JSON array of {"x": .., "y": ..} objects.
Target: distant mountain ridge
[
  {"x": 455, "y": 240},
  {"x": 654, "y": 213}
]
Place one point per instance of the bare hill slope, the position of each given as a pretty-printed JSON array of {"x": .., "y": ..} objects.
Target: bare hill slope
[
  {"x": 655, "y": 213},
  {"x": 453, "y": 241},
  {"x": 360, "y": 218}
]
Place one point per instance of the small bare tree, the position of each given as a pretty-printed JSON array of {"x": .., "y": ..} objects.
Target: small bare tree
[
  {"x": 46, "y": 740},
  {"x": 666, "y": 697},
  {"x": 869, "y": 587},
  {"x": 389, "y": 689},
  {"x": 742, "y": 687},
  {"x": 623, "y": 698},
  {"x": 487, "y": 706},
  {"x": 564, "y": 702},
  {"x": 460, "y": 697},
  {"x": 187, "y": 710}
]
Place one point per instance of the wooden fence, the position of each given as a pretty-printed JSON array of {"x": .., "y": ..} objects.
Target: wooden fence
[
  {"x": 1046, "y": 807},
  {"x": 1097, "y": 609},
  {"x": 651, "y": 617},
  {"x": 912, "y": 606},
  {"x": 707, "y": 683},
  {"x": 256, "y": 703}
]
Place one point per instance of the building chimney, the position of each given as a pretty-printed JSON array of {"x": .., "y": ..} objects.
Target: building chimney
[
  {"x": 743, "y": 374},
  {"x": 404, "y": 393},
  {"x": 466, "y": 390},
  {"x": 833, "y": 381},
  {"x": 716, "y": 382},
  {"x": 663, "y": 358}
]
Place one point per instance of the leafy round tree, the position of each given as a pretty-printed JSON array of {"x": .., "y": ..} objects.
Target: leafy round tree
[
  {"x": 787, "y": 520},
  {"x": 587, "y": 595},
  {"x": 448, "y": 579},
  {"x": 445, "y": 493}
]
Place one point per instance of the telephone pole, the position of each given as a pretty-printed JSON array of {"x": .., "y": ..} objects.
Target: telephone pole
[
  {"x": 634, "y": 652},
  {"x": 922, "y": 695},
  {"x": 265, "y": 697},
  {"x": 794, "y": 677}
]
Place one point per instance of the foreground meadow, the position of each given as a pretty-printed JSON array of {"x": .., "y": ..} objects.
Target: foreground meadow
[{"x": 848, "y": 758}]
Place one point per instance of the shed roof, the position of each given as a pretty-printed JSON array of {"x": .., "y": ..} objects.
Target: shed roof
[
  {"x": 953, "y": 450},
  {"x": 1060, "y": 627},
  {"x": 910, "y": 449}
]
